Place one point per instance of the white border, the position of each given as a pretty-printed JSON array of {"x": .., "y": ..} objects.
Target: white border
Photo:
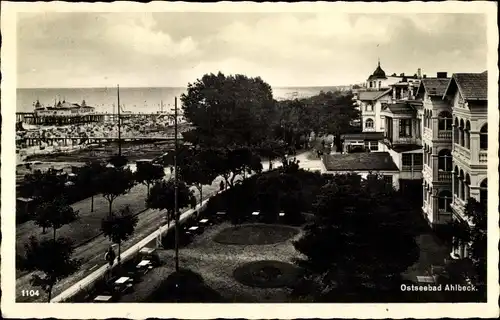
[{"x": 252, "y": 311}]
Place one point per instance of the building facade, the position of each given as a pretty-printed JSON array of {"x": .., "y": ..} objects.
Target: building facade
[
  {"x": 436, "y": 138},
  {"x": 468, "y": 97}
]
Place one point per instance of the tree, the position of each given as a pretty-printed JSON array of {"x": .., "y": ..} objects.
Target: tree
[
  {"x": 162, "y": 196},
  {"x": 88, "y": 178},
  {"x": 115, "y": 182},
  {"x": 473, "y": 234},
  {"x": 119, "y": 227},
  {"x": 197, "y": 171},
  {"x": 118, "y": 161},
  {"x": 54, "y": 214},
  {"x": 269, "y": 191},
  {"x": 332, "y": 113},
  {"x": 53, "y": 258},
  {"x": 148, "y": 173},
  {"x": 350, "y": 246},
  {"x": 293, "y": 121},
  {"x": 228, "y": 110},
  {"x": 42, "y": 186},
  {"x": 478, "y": 237},
  {"x": 272, "y": 150}
]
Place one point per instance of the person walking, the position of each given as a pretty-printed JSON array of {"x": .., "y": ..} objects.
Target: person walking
[{"x": 110, "y": 256}]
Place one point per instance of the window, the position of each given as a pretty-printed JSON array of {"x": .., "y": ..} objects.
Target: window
[
  {"x": 405, "y": 128},
  {"x": 369, "y": 123},
  {"x": 483, "y": 193},
  {"x": 445, "y": 121},
  {"x": 406, "y": 159},
  {"x": 418, "y": 159},
  {"x": 444, "y": 201},
  {"x": 380, "y": 84},
  {"x": 444, "y": 160},
  {"x": 483, "y": 137},
  {"x": 369, "y": 107},
  {"x": 388, "y": 179},
  {"x": 371, "y": 84}
]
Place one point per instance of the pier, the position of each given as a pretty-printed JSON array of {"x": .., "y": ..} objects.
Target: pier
[
  {"x": 32, "y": 119},
  {"x": 65, "y": 141}
]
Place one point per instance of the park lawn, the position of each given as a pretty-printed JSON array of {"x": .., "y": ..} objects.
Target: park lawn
[{"x": 216, "y": 263}]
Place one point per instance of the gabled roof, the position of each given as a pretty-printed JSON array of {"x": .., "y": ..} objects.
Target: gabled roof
[
  {"x": 472, "y": 86},
  {"x": 365, "y": 161},
  {"x": 398, "y": 108},
  {"x": 433, "y": 86},
  {"x": 372, "y": 95}
]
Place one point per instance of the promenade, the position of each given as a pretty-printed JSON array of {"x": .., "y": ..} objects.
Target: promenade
[{"x": 91, "y": 245}]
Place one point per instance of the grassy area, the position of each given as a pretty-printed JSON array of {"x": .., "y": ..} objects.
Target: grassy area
[
  {"x": 216, "y": 263},
  {"x": 267, "y": 274},
  {"x": 255, "y": 234}
]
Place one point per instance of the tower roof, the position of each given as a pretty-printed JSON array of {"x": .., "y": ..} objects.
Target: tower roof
[{"x": 379, "y": 73}]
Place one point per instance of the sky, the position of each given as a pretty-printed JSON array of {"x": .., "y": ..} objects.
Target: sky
[{"x": 157, "y": 49}]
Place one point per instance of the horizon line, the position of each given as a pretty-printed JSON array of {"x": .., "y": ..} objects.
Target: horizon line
[{"x": 179, "y": 87}]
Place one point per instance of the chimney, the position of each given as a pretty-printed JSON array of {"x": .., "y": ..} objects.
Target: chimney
[
  {"x": 442, "y": 75},
  {"x": 425, "y": 76},
  {"x": 419, "y": 73}
]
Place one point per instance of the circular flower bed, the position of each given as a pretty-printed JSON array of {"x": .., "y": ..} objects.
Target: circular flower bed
[
  {"x": 266, "y": 274},
  {"x": 255, "y": 234}
]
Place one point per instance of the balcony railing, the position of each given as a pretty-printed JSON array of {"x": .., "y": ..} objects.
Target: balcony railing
[
  {"x": 427, "y": 171},
  {"x": 427, "y": 133},
  {"x": 406, "y": 140},
  {"x": 443, "y": 216},
  {"x": 444, "y": 176},
  {"x": 483, "y": 156},
  {"x": 444, "y": 134},
  {"x": 412, "y": 168},
  {"x": 458, "y": 206}
]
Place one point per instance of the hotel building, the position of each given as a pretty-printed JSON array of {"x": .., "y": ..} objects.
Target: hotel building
[{"x": 436, "y": 131}]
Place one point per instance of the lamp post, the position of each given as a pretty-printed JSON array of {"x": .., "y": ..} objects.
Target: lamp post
[{"x": 119, "y": 124}]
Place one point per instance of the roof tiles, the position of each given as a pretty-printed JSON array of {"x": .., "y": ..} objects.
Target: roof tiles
[
  {"x": 435, "y": 86},
  {"x": 366, "y": 161},
  {"x": 472, "y": 86}
]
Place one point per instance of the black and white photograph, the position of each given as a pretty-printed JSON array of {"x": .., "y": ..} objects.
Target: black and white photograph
[{"x": 248, "y": 155}]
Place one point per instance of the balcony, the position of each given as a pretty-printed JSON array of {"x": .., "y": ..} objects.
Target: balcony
[
  {"x": 483, "y": 156},
  {"x": 458, "y": 206},
  {"x": 427, "y": 171},
  {"x": 427, "y": 134},
  {"x": 443, "y": 216},
  {"x": 444, "y": 176},
  {"x": 407, "y": 140},
  {"x": 444, "y": 134},
  {"x": 461, "y": 152}
]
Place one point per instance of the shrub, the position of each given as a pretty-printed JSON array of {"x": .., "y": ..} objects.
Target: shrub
[{"x": 184, "y": 286}]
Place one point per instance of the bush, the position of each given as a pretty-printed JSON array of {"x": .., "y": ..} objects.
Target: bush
[
  {"x": 184, "y": 286},
  {"x": 168, "y": 240}
]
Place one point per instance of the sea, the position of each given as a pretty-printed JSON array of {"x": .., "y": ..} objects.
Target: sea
[{"x": 135, "y": 100}]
